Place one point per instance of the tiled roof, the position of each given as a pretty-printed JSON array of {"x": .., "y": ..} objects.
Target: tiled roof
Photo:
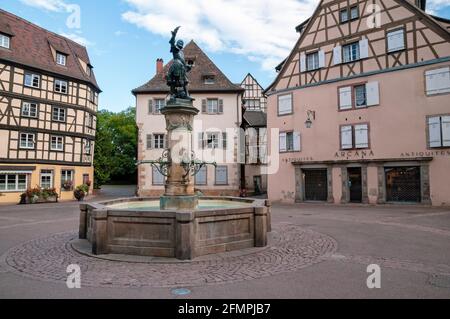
[
  {"x": 255, "y": 118},
  {"x": 31, "y": 47},
  {"x": 202, "y": 66}
]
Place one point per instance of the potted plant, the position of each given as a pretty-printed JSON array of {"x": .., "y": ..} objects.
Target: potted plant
[
  {"x": 80, "y": 192},
  {"x": 67, "y": 185},
  {"x": 37, "y": 195}
]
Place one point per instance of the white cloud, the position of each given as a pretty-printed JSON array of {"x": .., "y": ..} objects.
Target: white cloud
[
  {"x": 49, "y": 5},
  {"x": 77, "y": 38},
  {"x": 435, "y": 5},
  {"x": 262, "y": 30}
]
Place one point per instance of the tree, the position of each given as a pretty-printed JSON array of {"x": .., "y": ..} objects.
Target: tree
[{"x": 115, "y": 147}]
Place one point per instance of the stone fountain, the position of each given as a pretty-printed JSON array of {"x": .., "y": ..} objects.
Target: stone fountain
[{"x": 179, "y": 224}]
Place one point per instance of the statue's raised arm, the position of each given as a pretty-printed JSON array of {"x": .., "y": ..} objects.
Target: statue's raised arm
[{"x": 172, "y": 40}]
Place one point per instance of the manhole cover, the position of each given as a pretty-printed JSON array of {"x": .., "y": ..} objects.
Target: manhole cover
[
  {"x": 441, "y": 281},
  {"x": 180, "y": 292}
]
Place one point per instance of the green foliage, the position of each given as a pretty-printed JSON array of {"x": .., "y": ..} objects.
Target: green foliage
[{"x": 115, "y": 147}]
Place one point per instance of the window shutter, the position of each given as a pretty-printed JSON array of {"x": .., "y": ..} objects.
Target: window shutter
[
  {"x": 284, "y": 104},
  {"x": 396, "y": 40},
  {"x": 373, "y": 93},
  {"x": 282, "y": 142},
  {"x": 361, "y": 136},
  {"x": 224, "y": 140},
  {"x": 150, "y": 106},
  {"x": 302, "y": 63},
  {"x": 438, "y": 81},
  {"x": 297, "y": 142},
  {"x": 346, "y": 137},
  {"x": 204, "y": 106},
  {"x": 445, "y": 130},
  {"x": 364, "y": 48},
  {"x": 337, "y": 55},
  {"x": 434, "y": 128},
  {"x": 149, "y": 141},
  {"x": 321, "y": 59},
  {"x": 201, "y": 142},
  {"x": 263, "y": 145},
  {"x": 220, "y": 108},
  {"x": 345, "y": 98}
]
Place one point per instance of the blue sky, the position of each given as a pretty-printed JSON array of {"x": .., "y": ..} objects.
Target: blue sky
[{"x": 125, "y": 37}]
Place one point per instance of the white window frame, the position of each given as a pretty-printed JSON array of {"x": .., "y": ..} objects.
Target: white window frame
[
  {"x": 5, "y": 41},
  {"x": 159, "y": 141},
  {"x": 32, "y": 77},
  {"x": 440, "y": 74},
  {"x": 56, "y": 143},
  {"x": 212, "y": 106},
  {"x": 47, "y": 174},
  {"x": 29, "y": 106},
  {"x": 16, "y": 180},
  {"x": 57, "y": 112},
  {"x": 87, "y": 147},
  {"x": 285, "y": 104},
  {"x": 443, "y": 131},
  {"x": 61, "y": 86},
  {"x": 212, "y": 140},
  {"x": 30, "y": 141},
  {"x": 364, "y": 88},
  {"x": 312, "y": 61},
  {"x": 61, "y": 58},
  {"x": 158, "y": 105},
  {"x": 67, "y": 175},
  {"x": 354, "y": 53},
  {"x": 353, "y": 128}
]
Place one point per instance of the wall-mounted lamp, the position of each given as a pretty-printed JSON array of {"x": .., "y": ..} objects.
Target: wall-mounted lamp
[{"x": 311, "y": 117}]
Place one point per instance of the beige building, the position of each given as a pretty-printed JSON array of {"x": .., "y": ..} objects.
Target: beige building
[
  {"x": 363, "y": 106},
  {"x": 214, "y": 132},
  {"x": 48, "y": 105}
]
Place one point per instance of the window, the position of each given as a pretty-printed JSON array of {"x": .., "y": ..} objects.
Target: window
[
  {"x": 201, "y": 176},
  {"x": 351, "y": 52},
  {"x": 59, "y": 114},
  {"x": 395, "y": 40},
  {"x": 46, "y": 179},
  {"x": 312, "y": 61},
  {"x": 61, "y": 86},
  {"x": 159, "y": 141},
  {"x": 159, "y": 104},
  {"x": 27, "y": 140},
  {"x": 5, "y": 41},
  {"x": 252, "y": 104},
  {"x": 29, "y": 109},
  {"x": 209, "y": 79},
  {"x": 90, "y": 120},
  {"x": 91, "y": 95},
  {"x": 157, "y": 177},
  {"x": 61, "y": 58},
  {"x": 213, "y": 105},
  {"x": 359, "y": 96},
  {"x": 87, "y": 147},
  {"x": 67, "y": 179},
  {"x": 290, "y": 142},
  {"x": 354, "y": 13},
  {"x": 13, "y": 182},
  {"x": 439, "y": 131},
  {"x": 57, "y": 143},
  {"x": 212, "y": 140},
  {"x": 354, "y": 136},
  {"x": 343, "y": 15},
  {"x": 32, "y": 80},
  {"x": 285, "y": 104},
  {"x": 438, "y": 81},
  {"x": 221, "y": 175}
]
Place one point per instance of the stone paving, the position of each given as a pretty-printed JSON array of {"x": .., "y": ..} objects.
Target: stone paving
[{"x": 291, "y": 248}]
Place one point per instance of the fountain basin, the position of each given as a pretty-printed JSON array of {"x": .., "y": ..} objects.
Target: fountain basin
[{"x": 137, "y": 226}]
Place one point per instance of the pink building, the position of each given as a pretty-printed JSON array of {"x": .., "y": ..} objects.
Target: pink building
[{"x": 363, "y": 106}]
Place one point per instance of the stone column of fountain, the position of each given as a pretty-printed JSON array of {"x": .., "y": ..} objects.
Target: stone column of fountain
[{"x": 179, "y": 188}]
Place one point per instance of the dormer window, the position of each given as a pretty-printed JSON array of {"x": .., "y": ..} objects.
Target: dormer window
[
  {"x": 5, "y": 41},
  {"x": 61, "y": 59},
  {"x": 209, "y": 79}
]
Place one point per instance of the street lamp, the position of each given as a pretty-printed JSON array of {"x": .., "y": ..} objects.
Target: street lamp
[{"x": 311, "y": 116}]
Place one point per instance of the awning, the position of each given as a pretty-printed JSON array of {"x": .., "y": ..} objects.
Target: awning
[{"x": 16, "y": 172}]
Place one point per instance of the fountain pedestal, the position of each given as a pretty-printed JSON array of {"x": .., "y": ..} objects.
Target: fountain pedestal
[{"x": 179, "y": 188}]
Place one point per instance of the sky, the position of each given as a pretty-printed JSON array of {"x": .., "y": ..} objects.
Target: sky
[{"x": 125, "y": 37}]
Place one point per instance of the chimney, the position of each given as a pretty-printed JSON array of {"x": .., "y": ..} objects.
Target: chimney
[{"x": 159, "y": 66}]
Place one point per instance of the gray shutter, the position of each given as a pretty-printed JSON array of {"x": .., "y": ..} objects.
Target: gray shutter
[
  {"x": 224, "y": 140},
  {"x": 364, "y": 48},
  {"x": 346, "y": 137},
  {"x": 149, "y": 141},
  {"x": 201, "y": 143},
  {"x": 150, "y": 106},
  {"x": 434, "y": 131},
  {"x": 337, "y": 55},
  {"x": 373, "y": 93},
  {"x": 361, "y": 136},
  {"x": 321, "y": 59},
  {"x": 220, "y": 106},
  {"x": 302, "y": 63},
  {"x": 204, "y": 106},
  {"x": 445, "y": 124}
]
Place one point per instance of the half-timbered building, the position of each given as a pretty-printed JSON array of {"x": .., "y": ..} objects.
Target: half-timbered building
[
  {"x": 254, "y": 126},
  {"x": 363, "y": 106},
  {"x": 215, "y": 131},
  {"x": 48, "y": 105}
]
